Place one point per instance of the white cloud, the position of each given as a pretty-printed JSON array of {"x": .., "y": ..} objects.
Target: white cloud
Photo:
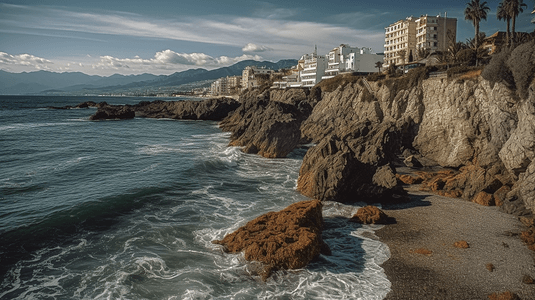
[
  {"x": 169, "y": 60},
  {"x": 255, "y": 48},
  {"x": 26, "y": 61},
  {"x": 274, "y": 33}
]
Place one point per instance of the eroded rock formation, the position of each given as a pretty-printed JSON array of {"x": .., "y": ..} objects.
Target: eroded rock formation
[{"x": 269, "y": 124}]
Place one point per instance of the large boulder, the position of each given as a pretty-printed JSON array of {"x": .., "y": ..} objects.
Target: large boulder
[
  {"x": 353, "y": 168},
  {"x": 288, "y": 239}
]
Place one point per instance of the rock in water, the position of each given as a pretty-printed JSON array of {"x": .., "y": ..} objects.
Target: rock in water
[
  {"x": 288, "y": 239},
  {"x": 107, "y": 112}
]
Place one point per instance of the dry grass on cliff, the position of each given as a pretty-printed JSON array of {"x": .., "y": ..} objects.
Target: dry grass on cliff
[{"x": 331, "y": 84}]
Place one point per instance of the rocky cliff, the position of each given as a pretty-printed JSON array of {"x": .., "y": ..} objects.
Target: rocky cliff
[{"x": 483, "y": 131}]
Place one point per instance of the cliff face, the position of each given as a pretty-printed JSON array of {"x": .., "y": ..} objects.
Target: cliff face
[{"x": 483, "y": 129}]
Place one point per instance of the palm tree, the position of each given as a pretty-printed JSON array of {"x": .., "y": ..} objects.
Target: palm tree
[
  {"x": 476, "y": 11},
  {"x": 514, "y": 8},
  {"x": 502, "y": 13},
  {"x": 378, "y": 65}
]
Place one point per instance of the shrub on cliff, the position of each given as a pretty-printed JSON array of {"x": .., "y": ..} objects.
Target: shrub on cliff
[
  {"x": 522, "y": 66},
  {"x": 375, "y": 76},
  {"x": 497, "y": 69},
  {"x": 516, "y": 68},
  {"x": 409, "y": 80}
]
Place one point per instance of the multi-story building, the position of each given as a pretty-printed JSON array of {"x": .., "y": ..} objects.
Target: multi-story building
[
  {"x": 336, "y": 60},
  {"x": 249, "y": 78},
  {"x": 351, "y": 59},
  {"x": 435, "y": 33},
  {"x": 405, "y": 37},
  {"x": 226, "y": 85},
  {"x": 400, "y": 41},
  {"x": 314, "y": 66}
]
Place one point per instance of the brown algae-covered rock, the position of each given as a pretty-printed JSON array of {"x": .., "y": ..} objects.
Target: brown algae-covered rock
[
  {"x": 370, "y": 215},
  {"x": 288, "y": 239}
]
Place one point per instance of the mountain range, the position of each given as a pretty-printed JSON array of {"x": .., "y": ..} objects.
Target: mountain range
[{"x": 45, "y": 82}]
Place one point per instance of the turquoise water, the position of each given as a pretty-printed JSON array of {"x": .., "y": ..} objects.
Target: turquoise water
[{"x": 128, "y": 209}]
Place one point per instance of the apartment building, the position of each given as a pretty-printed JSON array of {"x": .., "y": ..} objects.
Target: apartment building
[
  {"x": 226, "y": 85},
  {"x": 314, "y": 66},
  {"x": 435, "y": 33},
  {"x": 400, "y": 38},
  {"x": 405, "y": 37},
  {"x": 249, "y": 77}
]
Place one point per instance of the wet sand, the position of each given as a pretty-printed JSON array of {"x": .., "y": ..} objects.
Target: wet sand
[{"x": 435, "y": 223}]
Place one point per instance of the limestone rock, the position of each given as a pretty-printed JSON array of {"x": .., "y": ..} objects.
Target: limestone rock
[
  {"x": 333, "y": 171},
  {"x": 412, "y": 162},
  {"x": 266, "y": 127},
  {"x": 288, "y": 239},
  {"x": 370, "y": 215},
  {"x": 384, "y": 176}
]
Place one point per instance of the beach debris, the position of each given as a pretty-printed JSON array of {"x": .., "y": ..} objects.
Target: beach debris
[
  {"x": 490, "y": 267},
  {"x": 423, "y": 251},
  {"x": 461, "y": 244},
  {"x": 504, "y": 296}
]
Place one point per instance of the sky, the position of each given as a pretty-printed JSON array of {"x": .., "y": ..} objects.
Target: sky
[{"x": 105, "y": 37}]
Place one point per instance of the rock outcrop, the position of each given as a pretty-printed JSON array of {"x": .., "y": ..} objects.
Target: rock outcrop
[
  {"x": 268, "y": 127},
  {"x": 209, "y": 109},
  {"x": 108, "y": 112},
  {"x": 288, "y": 239},
  {"x": 480, "y": 129}
]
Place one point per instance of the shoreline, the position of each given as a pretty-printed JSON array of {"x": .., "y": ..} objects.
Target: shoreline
[{"x": 435, "y": 223}]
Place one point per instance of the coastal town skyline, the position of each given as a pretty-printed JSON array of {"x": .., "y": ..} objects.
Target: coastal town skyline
[{"x": 163, "y": 37}]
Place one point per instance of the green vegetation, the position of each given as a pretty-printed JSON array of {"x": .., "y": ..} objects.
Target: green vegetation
[
  {"x": 513, "y": 67},
  {"x": 476, "y": 12}
]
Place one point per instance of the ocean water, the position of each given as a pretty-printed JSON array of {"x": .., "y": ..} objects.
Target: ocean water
[{"x": 128, "y": 209}]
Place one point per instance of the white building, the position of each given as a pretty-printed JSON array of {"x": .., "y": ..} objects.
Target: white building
[
  {"x": 351, "y": 59},
  {"x": 313, "y": 69},
  {"x": 249, "y": 78}
]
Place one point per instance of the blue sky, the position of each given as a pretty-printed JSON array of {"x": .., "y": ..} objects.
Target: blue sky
[{"x": 163, "y": 37}]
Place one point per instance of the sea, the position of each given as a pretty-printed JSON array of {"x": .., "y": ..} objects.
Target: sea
[{"x": 128, "y": 209}]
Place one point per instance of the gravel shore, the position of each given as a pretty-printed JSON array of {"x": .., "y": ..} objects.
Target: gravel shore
[{"x": 425, "y": 264}]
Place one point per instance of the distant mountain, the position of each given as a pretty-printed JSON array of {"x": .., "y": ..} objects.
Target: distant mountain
[
  {"x": 194, "y": 75},
  {"x": 35, "y": 82},
  {"x": 45, "y": 82}
]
